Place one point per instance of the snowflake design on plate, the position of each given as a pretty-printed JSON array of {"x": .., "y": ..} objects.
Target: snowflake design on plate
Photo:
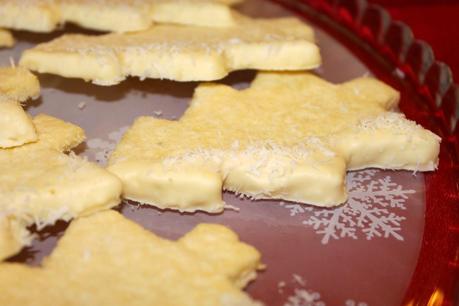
[
  {"x": 373, "y": 210},
  {"x": 102, "y": 147},
  {"x": 354, "y": 303},
  {"x": 303, "y": 296}
]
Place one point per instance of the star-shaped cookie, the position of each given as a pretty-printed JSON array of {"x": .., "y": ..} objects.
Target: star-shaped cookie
[
  {"x": 16, "y": 85},
  {"x": 39, "y": 184},
  {"x": 113, "y": 15},
  {"x": 179, "y": 53},
  {"x": 105, "y": 259},
  {"x": 289, "y": 136},
  {"x": 6, "y": 39}
]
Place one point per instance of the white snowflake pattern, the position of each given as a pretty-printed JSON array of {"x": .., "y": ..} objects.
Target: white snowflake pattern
[
  {"x": 373, "y": 208},
  {"x": 354, "y": 303},
  {"x": 303, "y": 296},
  {"x": 102, "y": 147}
]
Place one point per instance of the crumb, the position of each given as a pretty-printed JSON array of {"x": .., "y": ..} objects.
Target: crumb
[
  {"x": 158, "y": 113},
  {"x": 399, "y": 73},
  {"x": 232, "y": 207},
  {"x": 82, "y": 105},
  {"x": 298, "y": 279}
]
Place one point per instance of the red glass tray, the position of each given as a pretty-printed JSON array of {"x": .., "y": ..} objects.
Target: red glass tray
[{"x": 394, "y": 242}]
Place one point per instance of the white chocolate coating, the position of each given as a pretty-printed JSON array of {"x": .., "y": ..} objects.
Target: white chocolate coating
[
  {"x": 289, "y": 136},
  {"x": 179, "y": 53}
]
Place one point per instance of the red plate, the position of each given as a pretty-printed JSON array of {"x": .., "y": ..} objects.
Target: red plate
[{"x": 394, "y": 242}]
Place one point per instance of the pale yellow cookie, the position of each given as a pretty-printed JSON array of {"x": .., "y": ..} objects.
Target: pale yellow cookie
[
  {"x": 56, "y": 134},
  {"x": 39, "y": 184},
  {"x": 179, "y": 53},
  {"x": 13, "y": 236},
  {"x": 113, "y": 15},
  {"x": 16, "y": 85},
  {"x": 16, "y": 127},
  {"x": 128, "y": 15},
  {"x": 106, "y": 259},
  {"x": 289, "y": 136},
  {"x": 31, "y": 15},
  {"x": 6, "y": 39},
  {"x": 208, "y": 13}
]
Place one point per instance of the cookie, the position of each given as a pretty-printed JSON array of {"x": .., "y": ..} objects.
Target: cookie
[
  {"x": 13, "y": 236},
  {"x": 179, "y": 53},
  {"x": 106, "y": 259},
  {"x": 16, "y": 127},
  {"x": 30, "y": 15},
  {"x": 39, "y": 184},
  {"x": 209, "y": 13},
  {"x": 6, "y": 39},
  {"x": 113, "y": 15},
  {"x": 16, "y": 85},
  {"x": 290, "y": 136}
]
